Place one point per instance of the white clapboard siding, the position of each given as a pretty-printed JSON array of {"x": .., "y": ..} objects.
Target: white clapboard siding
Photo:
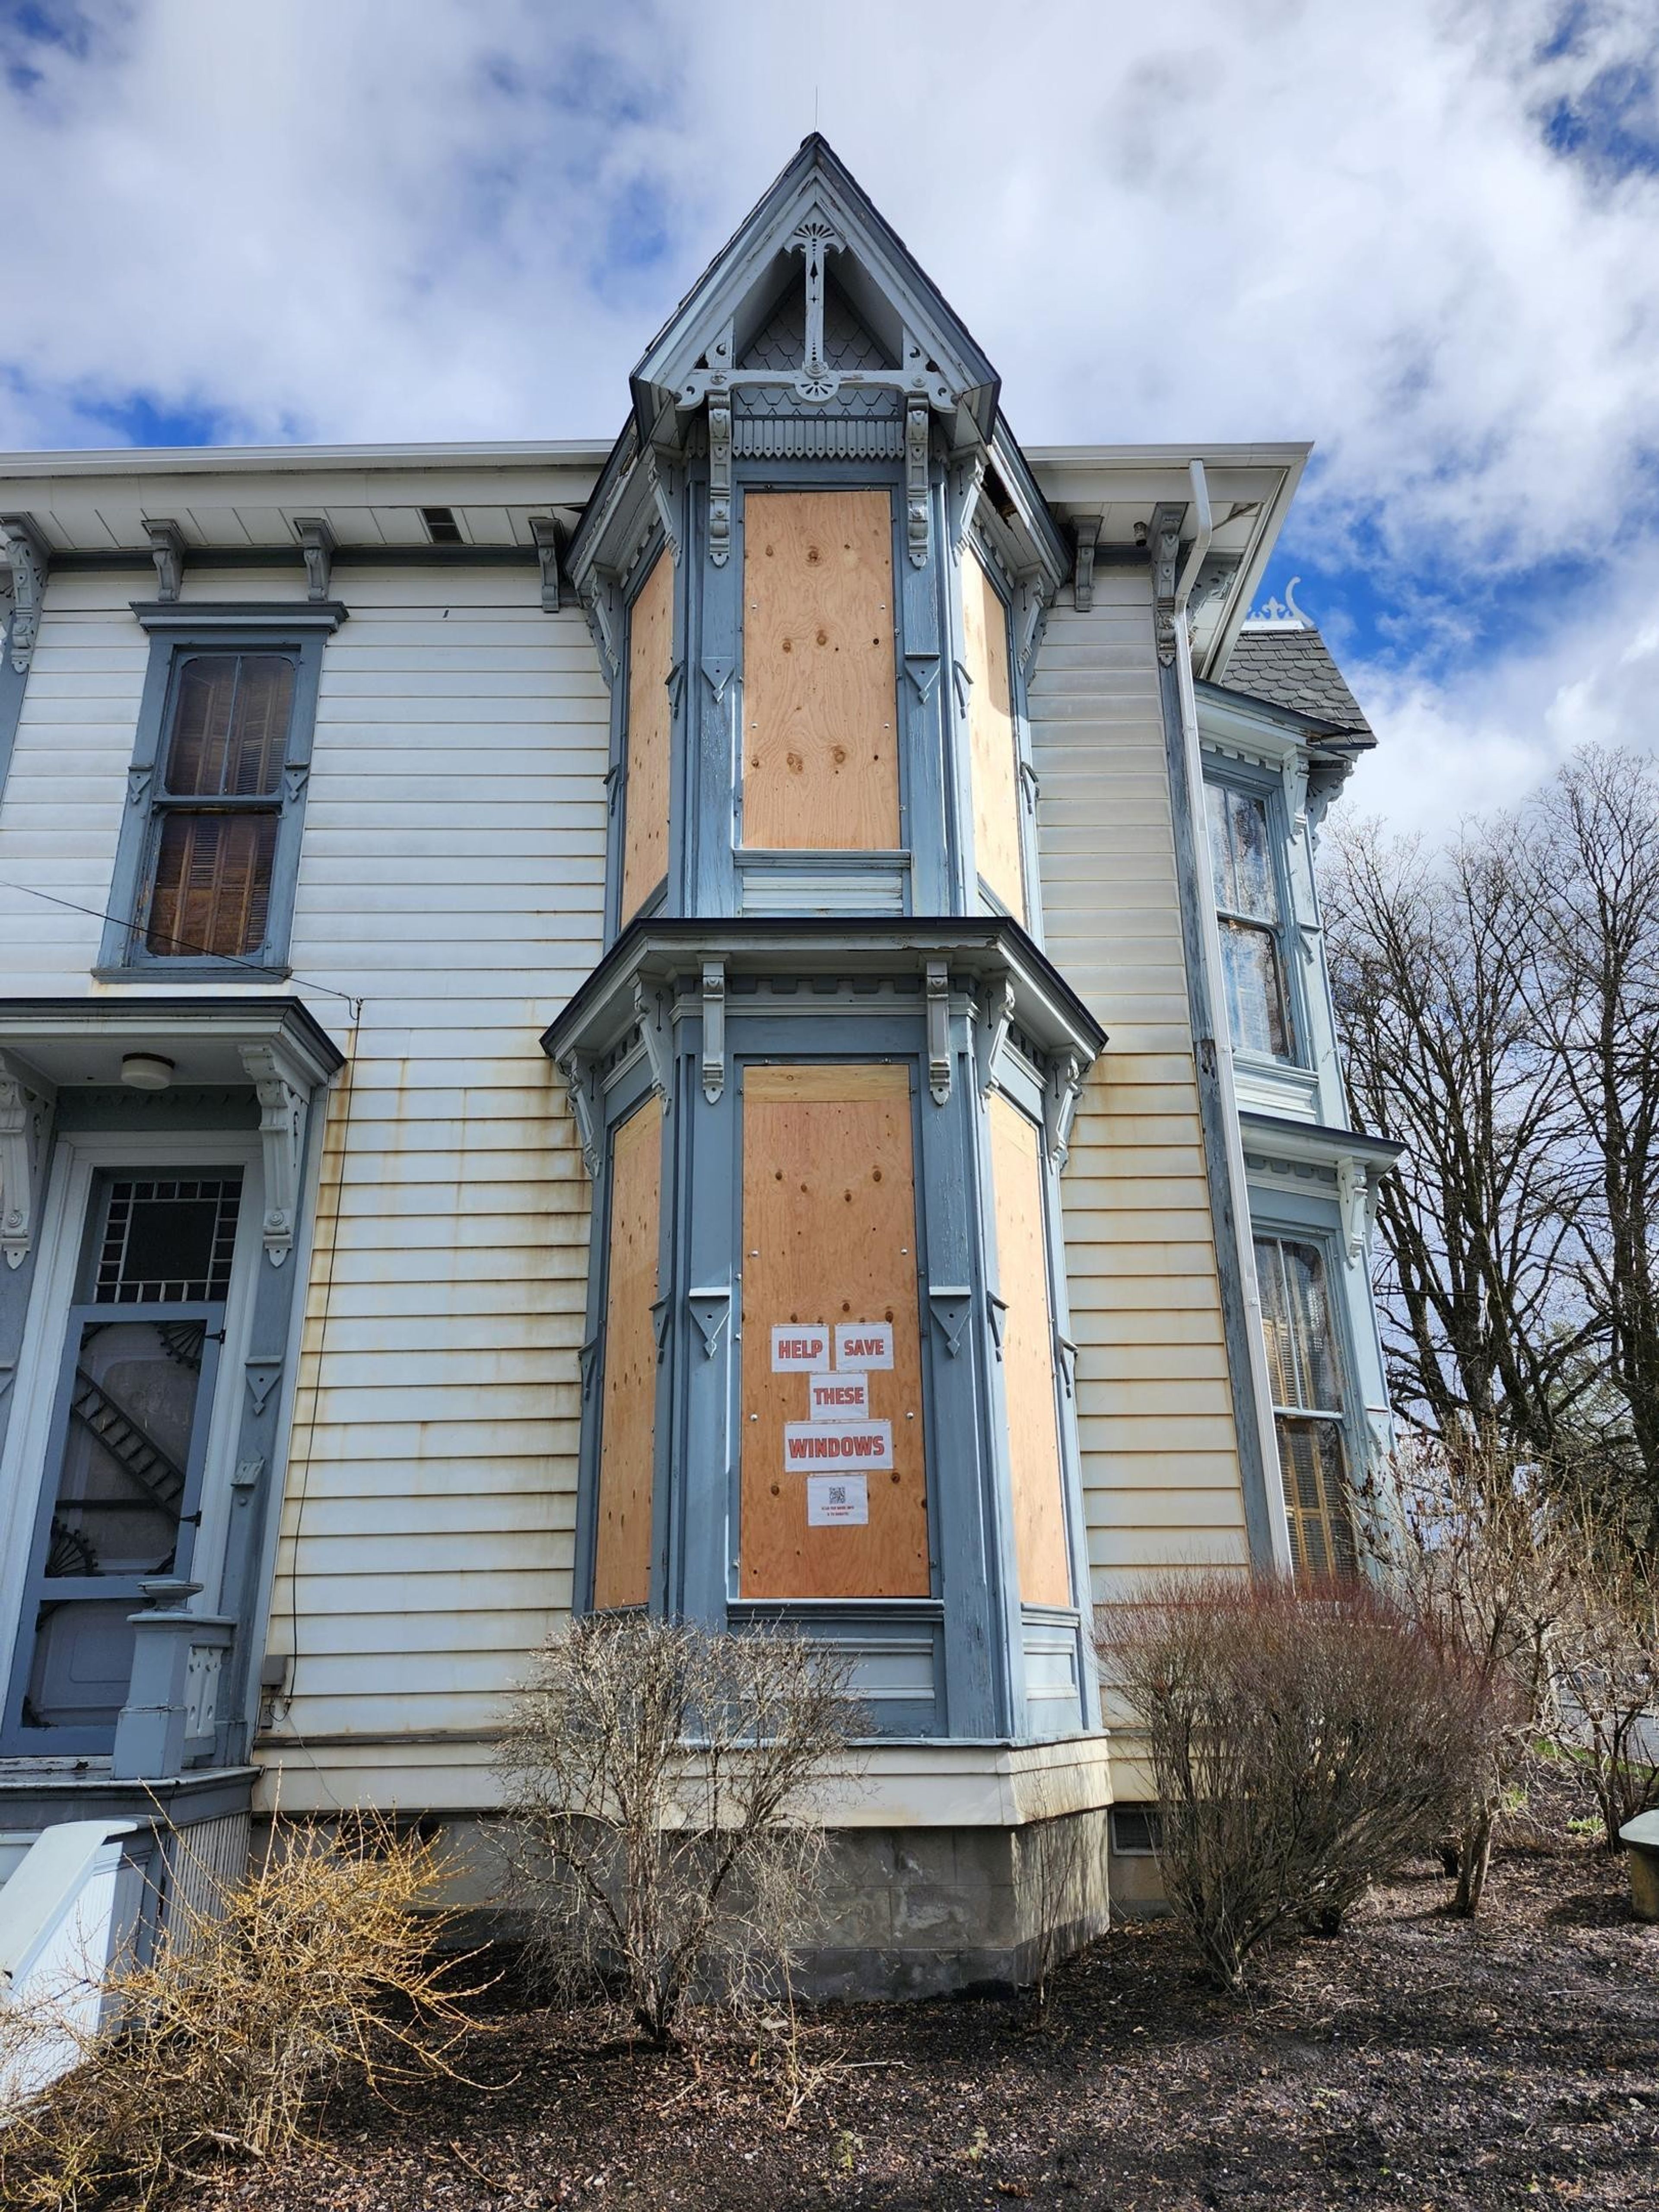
[
  {"x": 454, "y": 858},
  {"x": 1160, "y": 1462}
]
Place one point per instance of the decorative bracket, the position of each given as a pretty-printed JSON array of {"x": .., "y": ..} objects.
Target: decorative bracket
[
  {"x": 710, "y": 1310},
  {"x": 718, "y": 670},
  {"x": 966, "y": 478},
  {"x": 662, "y": 1312},
  {"x": 261, "y": 1377},
  {"x": 1060, "y": 1096},
  {"x": 600, "y": 605},
  {"x": 713, "y": 1029},
  {"x": 1034, "y": 590},
  {"x": 665, "y": 480},
  {"x": 317, "y": 544},
  {"x": 1031, "y": 784},
  {"x": 647, "y": 1011},
  {"x": 25, "y": 1107},
  {"x": 923, "y": 669},
  {"x": 996, "y": 1016},
  {"x": 1067, "y": 1349},
  {"x": 574, "y": 1070},
  {"x": 719, "y": 477},
  {"x": 166, "y": 549},
  {"x": 997, "y": 1312},
  {"x": 1357, "y": 1196},
  {"x": 1293, "y": 774},
  {"x": 1164, "y": 551},
  {"x": 938, "y": 974},
  {"x": 950, "y": 1305},
  {"x": 813, "y": 237},
  {"x": 544, "y": 531},
  {"x": 1086, "y": 534},
  {"x": 29, "y": 556},
  {"x": 918, "y": 503},
  {"x": 283, "y": 1097}
]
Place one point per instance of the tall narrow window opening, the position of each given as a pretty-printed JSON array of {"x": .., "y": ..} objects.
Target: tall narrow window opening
[
  {"x": 1305, "y": 1370},
  {"x": 1247, "y": 905}
]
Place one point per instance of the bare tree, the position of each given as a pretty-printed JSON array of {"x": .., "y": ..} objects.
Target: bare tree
[
  {"x": 1591, "y": 882},
  {"x": 1303, "y": 1742},
  {"x": 1609, "y": 1672},
  {"x": 1432, "y": 963},
  {"x": 664, "y": 1783}
]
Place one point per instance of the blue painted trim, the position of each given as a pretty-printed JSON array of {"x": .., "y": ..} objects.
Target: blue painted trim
[{"x": 1263, "y": 784}]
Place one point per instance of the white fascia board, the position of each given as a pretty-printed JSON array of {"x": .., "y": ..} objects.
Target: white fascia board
[{"x": 231, "y": 461}]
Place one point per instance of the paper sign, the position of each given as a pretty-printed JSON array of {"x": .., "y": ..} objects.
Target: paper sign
[
  {"x": 864, "y": 1344},
  {"x": 838, "y": 1396},
  {"x": 797, "y": 1344},
  {"x": 809, "y": 1445},
  {"x": 837, "y": 1501}
]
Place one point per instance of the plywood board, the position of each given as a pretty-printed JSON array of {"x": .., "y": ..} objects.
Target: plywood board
[
  {"x": 622, "y": 1563},
  {"x": 828, "y": 1238},
  {"x": 645, "y": 790},
  {"x": 1027, "y": 1358},
  {"x": 993, "y": 762},
  {"x": 820, "y": 756}
]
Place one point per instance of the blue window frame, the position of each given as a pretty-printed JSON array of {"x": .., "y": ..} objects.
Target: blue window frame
[
  {"x": 209, "y": 849},
  {"x": 1248, "y": 879},
  {"x": 1307, "y": 1370}
]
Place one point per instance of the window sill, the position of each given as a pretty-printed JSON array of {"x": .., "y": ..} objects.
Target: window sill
[{"x": 195, "y": 971}]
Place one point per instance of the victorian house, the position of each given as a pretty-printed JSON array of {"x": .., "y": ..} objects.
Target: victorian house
[{"x": 731, "y": 1022}]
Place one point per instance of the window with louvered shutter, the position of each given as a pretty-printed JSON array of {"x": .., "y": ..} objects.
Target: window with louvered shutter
[
  {"x": 1305, "y": 1370},
  {"x": 218, "y": 804}
]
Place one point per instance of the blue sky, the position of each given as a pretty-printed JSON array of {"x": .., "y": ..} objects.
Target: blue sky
[{"x": 1425, "y": 236}]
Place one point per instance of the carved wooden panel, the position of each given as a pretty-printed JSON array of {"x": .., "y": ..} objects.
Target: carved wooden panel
[
  {"x": 622, "y": 1564},
  {"x": 993, "y": 760},
  {"x": 820, "y": 755},
  {"x": 1027, "y": 1358},
  {"x": 828, "y": 1251},
  {"x": 645, "y": 794}
]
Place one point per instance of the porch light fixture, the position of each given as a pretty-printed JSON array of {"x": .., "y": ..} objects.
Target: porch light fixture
[{"x": 146, "y": 1071}]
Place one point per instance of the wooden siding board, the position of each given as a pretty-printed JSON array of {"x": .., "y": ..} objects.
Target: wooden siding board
[{"x": 1160, "y": 1469}]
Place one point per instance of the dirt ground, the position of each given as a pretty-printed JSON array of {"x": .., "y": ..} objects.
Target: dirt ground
[{"x": 1415, "y": 2062}]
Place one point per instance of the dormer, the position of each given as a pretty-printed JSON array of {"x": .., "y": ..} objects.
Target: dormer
[{"x": 816, "y": 567}]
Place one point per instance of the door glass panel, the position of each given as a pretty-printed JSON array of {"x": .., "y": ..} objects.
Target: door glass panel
[
  {"x": 167, "y": 1241},
  {"x": 132, "y": 1406}
]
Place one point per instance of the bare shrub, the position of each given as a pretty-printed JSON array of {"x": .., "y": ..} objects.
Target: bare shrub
[
  {"x": 317, "y": 1967},
  {"x": 1303, "y": 1743},
  {"x": 1480, "y": 1554},
  {"x": 662, "y": 1783},
  {"x": 1608, "y": 1682}
]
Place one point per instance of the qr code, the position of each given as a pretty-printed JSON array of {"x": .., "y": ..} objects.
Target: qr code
[{"x": 838, "y": 1493}]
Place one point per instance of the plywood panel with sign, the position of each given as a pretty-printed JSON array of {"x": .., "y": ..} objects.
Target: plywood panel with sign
[
  {"x": 834, "y": 1486},
  {"x": 820, "y": 759},
  {"x": 991, "y": 760},
  {"x": 622, "y": 1561},
  {"x": 645, "y": 797},
  {"x": 1027, "y": 1358}
]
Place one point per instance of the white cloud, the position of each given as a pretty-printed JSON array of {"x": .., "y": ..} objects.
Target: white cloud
[{"x": 380, "y": 219}]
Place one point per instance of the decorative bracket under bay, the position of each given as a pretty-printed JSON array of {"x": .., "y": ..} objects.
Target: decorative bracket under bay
[
  {"x": 29, "y": 556},
  {"x": 25, "y": 1107},
  {"x": 284, "y": 1097}
]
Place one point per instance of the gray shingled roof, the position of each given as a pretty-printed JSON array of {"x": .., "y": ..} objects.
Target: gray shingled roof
[{"x": 1291, "y": 667}]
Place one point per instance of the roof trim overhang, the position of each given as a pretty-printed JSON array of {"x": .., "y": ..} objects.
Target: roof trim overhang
[
  {"x": 993, "y": 951},
  {"x": 1316, "y": 1144},
  {"x": 74, "y": 1042}
]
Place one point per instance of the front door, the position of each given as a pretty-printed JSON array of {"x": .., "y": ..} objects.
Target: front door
[{"x": 120, "y": 1496}]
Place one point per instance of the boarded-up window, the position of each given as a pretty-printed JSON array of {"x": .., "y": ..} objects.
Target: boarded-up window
[
  {"x": 991, "y": 742},
  {"x": 645, "y": 794},
  {"x": 628, "y": 1424},
  {"x": 1305, "y": 1372},
  {"x": 218, "y": 804},
  {"x": 833, "y": 1491},
  {"x": 1027, "y": 1358},
  {"x": 820, "y": 762}
]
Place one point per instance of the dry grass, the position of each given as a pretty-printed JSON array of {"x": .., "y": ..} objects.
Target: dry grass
[{"x": 319, "y": 1967}]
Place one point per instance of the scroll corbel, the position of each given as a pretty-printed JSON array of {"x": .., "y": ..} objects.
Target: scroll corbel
[
  {"x": 316, "y": 542},
  {"x": 996, "y": 1015},
  {"x": 574, "y": 1068},
  {"x": 1060, "y": 1096},
  {"x": 544, "y": 534},
  {"x": 938, "y": 982},
  {"x": 26, "y": 1109},
  {"x": 166, "y": 549},
  {"x": 713, "y": 1029},
  {"x": 284, "y": 1098},
  {"x": 29, "y": 557}
]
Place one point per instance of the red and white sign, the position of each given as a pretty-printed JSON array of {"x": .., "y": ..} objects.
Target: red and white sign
[
  {"x": 810, "y": 1447},
  {"x": 864, "y": 1344},
  {"x": 837, "y": 1501},
  {"x": 836, "y": 1395},
  {"x": 803, "y": 1345}
]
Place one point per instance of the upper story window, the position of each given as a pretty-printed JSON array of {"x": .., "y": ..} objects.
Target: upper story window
[
  {"x": 209, "y": 845},
  {"x": 1246, "y": 882},
  {"x": 1304, "y": 1368}
]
